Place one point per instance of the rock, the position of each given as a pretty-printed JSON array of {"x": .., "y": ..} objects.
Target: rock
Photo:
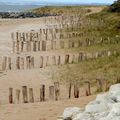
[
  {"x": 114, "y": 88},
  {"x": 114, "y": 113},
  {"x": 105, "y": 107},
  {"x": 83, "y": 116},
  {"x": 114, "y": 92},
  {"x": 70, "y": 112},
  {"x": 97, "y": 116},
  {"x": 96, "y": 107}
]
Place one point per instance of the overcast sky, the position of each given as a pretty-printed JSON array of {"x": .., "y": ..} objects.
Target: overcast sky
[{"x": 64, "y": 1}]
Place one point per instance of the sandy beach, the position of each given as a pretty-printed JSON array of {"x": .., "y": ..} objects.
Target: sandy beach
[{"x": 48, "y": 110}]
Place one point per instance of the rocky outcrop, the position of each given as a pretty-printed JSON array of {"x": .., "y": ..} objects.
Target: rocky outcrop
[
  {"x": 23, "y": 15},
  {"x": 106, "y": 106}
]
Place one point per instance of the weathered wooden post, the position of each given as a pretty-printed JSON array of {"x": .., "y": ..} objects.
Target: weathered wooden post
[
  {"x": 54, "y": 60},
  {"x": 99, "y": 85},
  {"x": 34, "y": 46},
  {"x": 81, "y": 55},
  {"x": 43, "y": 45},
  {"x": 22, "y": 46},
  {"x": 14, "y": 43},
  {"x": 31, "y": 96},
  {"x": 59, "y": 60},
  {"x": 39, "y": 45},
  {"x": 25, "y": 95},
  {"x": 70, "y": 87},
  {"x": 10, "y": 95},
  {"x": 51, "y": 92},
  {"x": 32, "y": 62},
  {"x": 41, "y": 61},
  {"x": 17, "y": 42},
  {"x": 42, "y": 93},
  {"x": 9, "y": 63},
  {"x": 76, "y": 90},
  {"x": 28, "y": 46},
  {"x": 22, "y": 63},
  {"x": 88, "y": 90},
  {"x": 4, "y": 63},
  {"x": 18, "y": 63},
  {"x": 17, "y": 96},
  {"x": 57, "y": 91},
  {"x": 105, "y": 84},
  {"x": 67, "y": 58},
  {"x": 73, "y": 59},
  {"x": 47, "y": 61},
  {"x": 28, "y": 61}
]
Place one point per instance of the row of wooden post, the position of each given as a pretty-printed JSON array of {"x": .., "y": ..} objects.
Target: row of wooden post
[
  {"x": 54, "y": 93},
  {"x": 29, "y": 62}
]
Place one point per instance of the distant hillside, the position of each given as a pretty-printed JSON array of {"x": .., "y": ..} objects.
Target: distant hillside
[{"x": 60, "y": 10}]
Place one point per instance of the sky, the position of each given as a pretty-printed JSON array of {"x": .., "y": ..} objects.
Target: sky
[{"x": 63, "y": 1}]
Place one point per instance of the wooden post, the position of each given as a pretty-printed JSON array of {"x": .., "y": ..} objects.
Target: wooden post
[
  {"x": 22, "y": 63},
  {"x": 17, "y": 96},
  {"x": 67, "y": 58},
  {"x": 59, "y": 60},
  {"x": 88, "y": 90},
  {"x": 9, "y": 63},
  {"x": 70, "y": 86},
  {"x": 57, "y": 90},
  {"x": 31, "y": 96},
  {"x": 14, "y": 43},
  {"x": 54, "y": 60},
  {"x": 4, "y": 63},
  {"x": 25, "y": 96},
  {"x": 18, "y": 63},
  {"x": 76, "y": 91},
  {"x": 28, "y": 60},
  {"x": 10, "y": 95},
  {"x": 99, "y": 85},
  {"x": 43, "y": 45},
  {"x": 22, "y": 45},
  {"x": 32, "y": 62},
  {"x": 47, "y": 61},
  {"x": 18, "y": 42},
  {"x": 41, "y": 61},
  {"x": 51, "y": 92},
  {"x": 80, "y": 57},
  {"x": 42, "y": 92}
]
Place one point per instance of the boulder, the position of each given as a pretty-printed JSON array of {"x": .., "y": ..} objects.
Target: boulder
[
  {"x": 114, "y": 113},
  {"x": 70, "y": 112},
  {"x": 96, "y": 107},
  {"x": 114, "y": 92},
  {"x": 106, "y": 106},
  {"x": 83, "y": 116}
]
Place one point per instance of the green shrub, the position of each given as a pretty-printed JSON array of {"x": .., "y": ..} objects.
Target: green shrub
[{"x": 115, "y": 7}]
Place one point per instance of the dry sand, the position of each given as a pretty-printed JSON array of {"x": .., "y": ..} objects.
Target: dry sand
[
  {"x": 48, "y": 110},
  {"x": 40, "y": 111}
]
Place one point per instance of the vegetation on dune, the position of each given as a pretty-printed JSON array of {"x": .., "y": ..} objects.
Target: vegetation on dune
[
  {"x": 104, "y": 68},
  {"x": 115, "y": 7},
  {"x": 107, "y": 67},
  {"x": 112, "y": 23},
  {"x": 58, "y": 10}
]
